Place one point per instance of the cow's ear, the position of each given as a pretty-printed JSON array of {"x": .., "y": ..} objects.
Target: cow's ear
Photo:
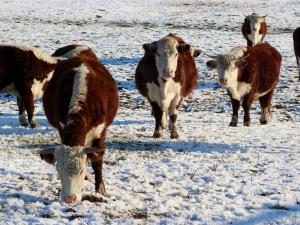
[
  {"x": 49, "y": 158},
  {"x": 212, "y": 64},
  {"x": 150, "y": 47},
  {"x": 183, "y": 48}
]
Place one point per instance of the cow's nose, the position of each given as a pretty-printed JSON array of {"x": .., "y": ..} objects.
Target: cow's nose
[
  {"x": 168, "y": 72},
  {"x": 70, "y": 199},
  {"x": 223, "y": 81}
]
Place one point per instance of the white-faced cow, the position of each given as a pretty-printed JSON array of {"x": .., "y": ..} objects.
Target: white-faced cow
[
  {"x": 296, "y": 37},
  {"x": 165, "y": 75},
  {"x": 25, "y": 72},
  {"x": 81, "y": 101},
  {"x": 254, "y": 29},
  {"x": 249, "y": 73}
]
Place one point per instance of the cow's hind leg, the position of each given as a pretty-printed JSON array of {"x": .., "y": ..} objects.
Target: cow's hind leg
[
  {"x": 265, "y": 104},
  {"x": 235, "y": 111},
  {"x": 29, "y": 106},
  {"x": 173, "y": 112},
  {"x": 97, "y": 164},
  {"x": 157, "y": 112},
  {"x": 247, "y": 102},
  {"x": 22, "y": 115}
]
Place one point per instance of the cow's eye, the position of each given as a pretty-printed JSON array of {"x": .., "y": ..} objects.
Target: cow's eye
[{"x": 176, "y": 54}]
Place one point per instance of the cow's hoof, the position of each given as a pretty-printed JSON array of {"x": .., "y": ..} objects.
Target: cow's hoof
[
  {"x": 174, "y": 135},
  {"x": 247, "y": 124},
  {"x": 101, "y": 189},
  {"x": 34, "y": 125},
  {"x": 233, "y": 124},
  {"x": 263, "y": 122},
  {"x": 157, "y": 134},
  {"x": 24, "y": 124}
]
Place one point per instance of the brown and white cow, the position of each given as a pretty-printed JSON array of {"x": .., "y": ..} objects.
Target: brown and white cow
[
  {"x": 81, "y": 101},
  {"x": 165, "y": 75},
  {"x": 296, "y": 38},
  {"x": 254, "y": 29},
  {"x": 25, "y": 72},
  {"x": 249, "y": 73},
  {"x": 74, "y": 50}
]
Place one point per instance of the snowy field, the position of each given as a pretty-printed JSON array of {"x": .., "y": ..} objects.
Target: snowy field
[{"x": 214, "y": 174}]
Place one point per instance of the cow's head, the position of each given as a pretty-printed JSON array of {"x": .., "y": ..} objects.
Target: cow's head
[
  {"x": 255, "y": 22},
  {"x": 166, "y": 53},
  {"x": 228, "y": 65},
  {"x": 71, "y": 166}
]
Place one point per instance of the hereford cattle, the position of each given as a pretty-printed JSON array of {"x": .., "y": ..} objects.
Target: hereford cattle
[
  {"x": 254, "y": 29},
  {"x": 25, "y": 72},
  {"x": 165, "y": 75},
  {"x": 249, "y": 73},
  {"x": 81, "y": 101},
  {"x": 296, "y": 37},
  {"x": 70, "y": 51}
]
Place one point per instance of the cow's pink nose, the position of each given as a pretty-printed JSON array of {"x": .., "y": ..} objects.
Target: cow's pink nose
[
  {"x": 168, "y": 72},
  {"x": 70, "y": 199},
  {"x": 223, "y": 81}
]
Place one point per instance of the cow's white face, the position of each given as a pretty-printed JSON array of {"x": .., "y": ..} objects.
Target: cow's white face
[
  {"x": 255, "y": 25},
  {"x": 166, "y": 53},
  {"x": 71, "y": 165},
  {"x": 166, "y": 57},
  {"x": 228, "y": 66}
]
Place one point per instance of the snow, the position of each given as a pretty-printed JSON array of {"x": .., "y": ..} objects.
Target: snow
[{"x": 214, "y": 174}]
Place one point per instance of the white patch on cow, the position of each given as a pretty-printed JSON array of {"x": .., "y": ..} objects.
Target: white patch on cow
[
  {"x": 79, "y": 89},
  {"x": 22, "y": 119},
  {"x": 38, "y": 86},
  {"x": 166, "y": 57},
  {"x": 62, "y": 125},
  {"x": 163, "y": 95},
  {"x": 255, "y": 36},
  {"x": 238, "y": 90},
  {"x": 94, "y": 133},
  {"x": 10, "y": 89},
  {"x": 71, "y": 165},
  {"x": 257, "y": 95},
  {"x": 76, "y": 51},
  {"x": 37, "y": 52}
]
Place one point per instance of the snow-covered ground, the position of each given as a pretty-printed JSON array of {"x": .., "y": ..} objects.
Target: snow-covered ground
[{"x": 214, "y": 174}]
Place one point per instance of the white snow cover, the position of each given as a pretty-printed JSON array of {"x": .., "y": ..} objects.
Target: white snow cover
[{"x": 214, "y": 174}]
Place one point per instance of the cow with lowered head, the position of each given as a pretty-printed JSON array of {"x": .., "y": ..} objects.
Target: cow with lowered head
[
  {"x": 81, "y": 101},
  {"x": 248, "y": 74},
  {"x": 254, "y": 29},
  {"x": 165, "y": 75},
  {"x": 296, "y": 38},
  {"x": 25, "y": 72}
]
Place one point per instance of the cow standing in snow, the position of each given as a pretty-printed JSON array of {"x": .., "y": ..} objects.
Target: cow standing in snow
[
  {"x": 249, "y": 73},
  {"x": 254, "y": 29},
  {"x": 165, "y": 75},
  {"x": 296, "y": 38},
  {"x": 25, "y": 72},
  {"x": 81, "y": 101}
]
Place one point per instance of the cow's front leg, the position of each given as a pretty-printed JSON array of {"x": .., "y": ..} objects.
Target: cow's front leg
[
  {"x": 29, "y": 106},
  {"x": 247, "y": 102},
  {"x": 164, "y": 108},
  {"x": 22, "y": 116},
  {"x": 97, "y": 164},
  {"x": 157, "y": 112},
  {"x": 235, "y": 111},
  {"x": 173, "y": 112}
]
